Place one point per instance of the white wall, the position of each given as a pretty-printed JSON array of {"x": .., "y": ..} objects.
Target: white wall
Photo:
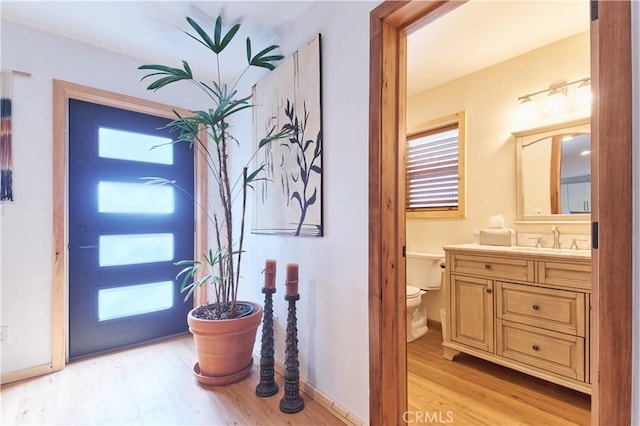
[
  {"x": 333, "y": 309},
  {"x": 333, "y": 306}
]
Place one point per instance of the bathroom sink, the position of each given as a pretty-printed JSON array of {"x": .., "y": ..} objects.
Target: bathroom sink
[{"x": 549, "y": 250}]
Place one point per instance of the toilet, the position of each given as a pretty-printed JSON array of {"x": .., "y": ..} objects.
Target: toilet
[{"x": 424, "y": 273}]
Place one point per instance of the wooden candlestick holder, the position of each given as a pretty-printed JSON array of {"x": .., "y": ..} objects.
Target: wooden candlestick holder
[
  {"x": 267, "y": 385},
  {"x": 291, "y": 402}
]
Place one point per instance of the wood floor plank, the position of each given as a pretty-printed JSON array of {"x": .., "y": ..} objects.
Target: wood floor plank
[
  {"x": 471, "y": 391},
  {"x": 148, "y": 385}
]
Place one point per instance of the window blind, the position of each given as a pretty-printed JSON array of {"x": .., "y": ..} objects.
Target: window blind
[{"x": 432, "y": 169}]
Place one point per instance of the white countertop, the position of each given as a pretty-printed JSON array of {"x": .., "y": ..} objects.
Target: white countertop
[{"x": 527, "y": 251}]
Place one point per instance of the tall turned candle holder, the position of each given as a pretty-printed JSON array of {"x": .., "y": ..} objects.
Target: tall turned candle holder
[
  {"x": 291, "y": 402},
  {"x": 267, "y": 385}
]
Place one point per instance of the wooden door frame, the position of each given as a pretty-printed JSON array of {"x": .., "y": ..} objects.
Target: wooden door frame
[
  {"x": 390, "y": 22},
  {"x": 62, "y": 92}
]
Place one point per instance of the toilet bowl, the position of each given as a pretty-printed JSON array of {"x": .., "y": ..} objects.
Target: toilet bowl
[
  {"x": 424, "y": 273},
  {"x": 416, "y": 314}
]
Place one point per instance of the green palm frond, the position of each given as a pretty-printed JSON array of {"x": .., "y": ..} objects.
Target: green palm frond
[{"x": 219, "y": 267}]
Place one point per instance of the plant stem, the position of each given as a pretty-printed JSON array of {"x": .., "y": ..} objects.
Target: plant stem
[
  {"x": 244, "y": 209},
  {"x": 225, "y": 195},
  {"x": 221, "y": 267}
]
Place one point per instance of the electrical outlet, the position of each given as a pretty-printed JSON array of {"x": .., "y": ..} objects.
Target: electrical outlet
[{"x": 4, "y": 334}]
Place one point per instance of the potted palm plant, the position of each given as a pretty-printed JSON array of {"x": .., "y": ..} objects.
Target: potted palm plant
[{"x": 224, "y": 329}]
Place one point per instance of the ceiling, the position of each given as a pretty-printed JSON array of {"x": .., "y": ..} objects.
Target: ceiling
[{"x": 493, "y": 30}]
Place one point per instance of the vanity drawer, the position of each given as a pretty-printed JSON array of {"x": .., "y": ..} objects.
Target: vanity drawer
[
  {"x": 575, "y": 275},
  {"x": 493, "y": 267},
  {"x": 554, "y": 352},
  {"x": 557, "y": 310}
]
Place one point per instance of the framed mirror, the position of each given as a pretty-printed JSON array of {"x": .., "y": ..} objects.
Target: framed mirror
[{"x": 553, "y": 172}]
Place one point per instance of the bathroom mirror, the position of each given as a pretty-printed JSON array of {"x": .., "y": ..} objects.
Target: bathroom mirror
[{"x": 553, "y": 165}]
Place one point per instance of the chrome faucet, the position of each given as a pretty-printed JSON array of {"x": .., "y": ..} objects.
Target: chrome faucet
[{"x": 556, "y": 237}]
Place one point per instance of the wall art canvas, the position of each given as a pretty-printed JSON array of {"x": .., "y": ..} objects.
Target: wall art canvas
[{"x": 289, "y": 198}]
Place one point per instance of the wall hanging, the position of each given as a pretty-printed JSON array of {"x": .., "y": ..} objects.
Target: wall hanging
[
  {"x": 289, "y": 199},
  {"x": 6, "y": 184}
]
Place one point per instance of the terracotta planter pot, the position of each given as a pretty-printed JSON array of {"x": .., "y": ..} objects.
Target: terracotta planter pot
[{"x": 224, "y": 347}]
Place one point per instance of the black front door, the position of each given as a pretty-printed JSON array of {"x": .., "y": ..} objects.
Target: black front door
[{"x": 124, "y": 233}]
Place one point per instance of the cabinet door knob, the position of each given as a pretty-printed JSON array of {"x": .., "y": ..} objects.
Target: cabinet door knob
[
  {"x": 489, "y": 290},
  {"x": 535, "y": 347},
  {"x": 487, "y": 266},
  {"x": 535, "y": 307}
]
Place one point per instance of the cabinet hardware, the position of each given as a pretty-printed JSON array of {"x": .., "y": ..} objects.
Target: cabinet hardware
[
  {"x": 487, "y": 266},
  {"x": 535, "y": 347},
  {"x": 489, "y": 290},
  {"x": 535, "y": 307}
]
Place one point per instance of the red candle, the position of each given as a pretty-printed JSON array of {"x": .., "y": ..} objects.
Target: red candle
[
  {"x": 270, "y": 274},
  {"x": 292, "y": 279}
]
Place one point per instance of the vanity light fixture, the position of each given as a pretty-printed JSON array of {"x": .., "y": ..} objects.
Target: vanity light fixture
[
  {"x": 583, "y": 94},
  {"x": 528, "y": 108},
  {"x": 557, "y": 99}
]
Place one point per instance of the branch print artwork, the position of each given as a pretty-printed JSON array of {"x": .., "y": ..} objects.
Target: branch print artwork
[{"x": 289, "y": 198}]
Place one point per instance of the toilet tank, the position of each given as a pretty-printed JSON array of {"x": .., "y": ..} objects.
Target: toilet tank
[{"x": 425, "y": 270}]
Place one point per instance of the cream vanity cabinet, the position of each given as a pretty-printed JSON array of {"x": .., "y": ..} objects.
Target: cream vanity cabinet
[{"x": 524, "y": 309}]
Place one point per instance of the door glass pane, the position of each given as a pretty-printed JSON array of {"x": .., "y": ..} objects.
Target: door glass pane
[
  {"x": 123, "y": 145},
  {"x": 122, "y": 197},
  {"x": 136, "y": 299},
  {"x": 132, "y": 249}
]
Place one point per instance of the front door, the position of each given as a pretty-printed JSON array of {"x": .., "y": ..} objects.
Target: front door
[{"x": 124, "y": 233}]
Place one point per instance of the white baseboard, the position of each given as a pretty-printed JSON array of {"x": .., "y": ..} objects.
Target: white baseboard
[{"x": 319, "y": 397}]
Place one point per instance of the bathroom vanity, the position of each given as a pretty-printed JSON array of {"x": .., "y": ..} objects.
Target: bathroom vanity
[{"x": 525, "y": 308}]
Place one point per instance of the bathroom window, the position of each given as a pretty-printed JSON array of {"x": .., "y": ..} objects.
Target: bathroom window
[{"x": 435, "y": 168}]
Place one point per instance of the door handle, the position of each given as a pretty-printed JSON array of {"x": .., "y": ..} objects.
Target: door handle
[{"x": 85, "y": 247}]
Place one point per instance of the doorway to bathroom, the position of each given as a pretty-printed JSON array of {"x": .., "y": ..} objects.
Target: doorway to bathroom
[
  {"x": 551, "y": 50},
  {"x": 611, "y": 214}
]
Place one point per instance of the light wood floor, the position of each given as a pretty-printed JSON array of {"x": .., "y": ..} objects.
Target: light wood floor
[
  {"x": 151, "y": 385},
  {"x": 470, "y": 391}
]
